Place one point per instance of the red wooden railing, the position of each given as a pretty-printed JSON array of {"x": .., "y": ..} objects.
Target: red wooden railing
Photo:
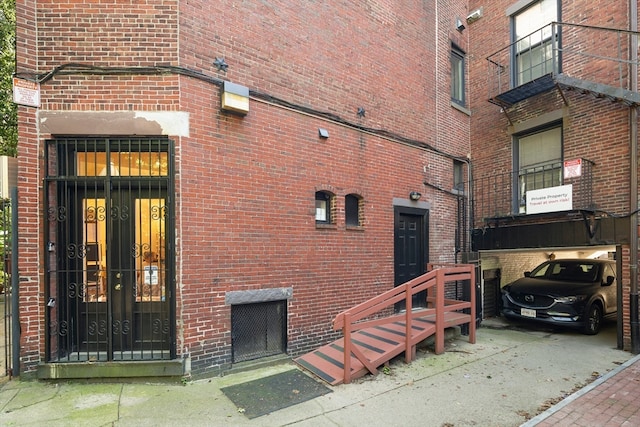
[{"x": 444, "y": 312}]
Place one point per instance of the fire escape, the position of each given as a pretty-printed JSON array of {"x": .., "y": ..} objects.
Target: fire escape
[
  {"x": 566, "y": 57},
  {"x": 562, "y": 57}
]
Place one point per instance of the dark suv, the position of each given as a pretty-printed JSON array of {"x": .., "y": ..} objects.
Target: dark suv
[{"x": 566, "y": 292}]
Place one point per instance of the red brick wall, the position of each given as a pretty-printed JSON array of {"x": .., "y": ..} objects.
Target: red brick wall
[
  {"x": 595, "y": 129},
  {"x": 102, "y": 34},
  {"x": 588, "y": 124},
  {"x": 109, "y": 34},
  {"x": 29, "y": 243},
  {"x": 332, "y": 57},
  {"x": 245, "y": 186},
  {"x": 250, "y": 223},
  {"x": 266, "y": 167}
]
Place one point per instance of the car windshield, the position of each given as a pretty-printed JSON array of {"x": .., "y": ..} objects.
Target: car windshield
[{"x": 567, "y": 271}]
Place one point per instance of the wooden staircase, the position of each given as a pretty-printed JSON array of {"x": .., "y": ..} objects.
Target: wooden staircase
[{"x": 373, "y": 334}]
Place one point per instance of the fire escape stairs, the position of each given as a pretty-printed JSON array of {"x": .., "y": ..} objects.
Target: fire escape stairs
[
  {"x": 564, "y": 83},
  {"x": 598, "y": 90},
  {"x": 373, "y": 333}
]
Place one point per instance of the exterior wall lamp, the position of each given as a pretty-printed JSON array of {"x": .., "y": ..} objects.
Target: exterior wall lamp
[
  {"x": 235, "y": 98},
  {"x": 415, "y": 196}
]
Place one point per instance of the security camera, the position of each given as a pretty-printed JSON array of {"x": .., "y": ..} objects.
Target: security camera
[
  {"x": 459, "y": 24},
  {"x": 474, "y": 16}
]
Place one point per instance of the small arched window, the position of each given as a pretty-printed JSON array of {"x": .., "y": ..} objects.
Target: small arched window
[
  {"x": 323, "y": 207},
  {"x": 353, "y": 210}
]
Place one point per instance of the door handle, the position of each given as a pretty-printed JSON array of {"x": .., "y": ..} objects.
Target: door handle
[{"x": 118, "y": 286}]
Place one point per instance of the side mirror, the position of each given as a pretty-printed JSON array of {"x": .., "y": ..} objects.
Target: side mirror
[
  {"x": 609, "y": 281},
  {"x": 527, "y": 274}
]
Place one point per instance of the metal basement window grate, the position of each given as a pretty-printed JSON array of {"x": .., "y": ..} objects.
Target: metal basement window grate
[{"x": 258, "y": 330}]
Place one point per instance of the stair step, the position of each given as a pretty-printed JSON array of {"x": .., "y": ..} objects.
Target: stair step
[
  {"x": 378, "y": 344},
  {"x": 375, "y": 341}
]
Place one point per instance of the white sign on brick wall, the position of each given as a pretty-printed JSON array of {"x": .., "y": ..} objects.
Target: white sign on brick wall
[{"x": 552, "y": 199}]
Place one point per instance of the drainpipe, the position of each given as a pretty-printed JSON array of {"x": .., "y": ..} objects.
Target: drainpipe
[
  {"x": 633, "y": 133},
  {"x": 15, "y": 289}
]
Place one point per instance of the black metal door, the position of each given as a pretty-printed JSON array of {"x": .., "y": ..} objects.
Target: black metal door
[
  {"x": 410, "y": 249},
  {"x": 119, "y": 269},
  {"x": 109, "y": 297},
  {"x": 135, "y": 270}
]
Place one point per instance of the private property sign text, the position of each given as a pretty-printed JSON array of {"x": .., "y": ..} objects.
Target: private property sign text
[
  {"x": 552, "y": 199},
  {"x": 26, "y": 92}
]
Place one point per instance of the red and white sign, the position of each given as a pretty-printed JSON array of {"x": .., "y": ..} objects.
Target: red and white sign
[
  {"x": 26, "y": 92},
  {"x": 572, "y": 168}
]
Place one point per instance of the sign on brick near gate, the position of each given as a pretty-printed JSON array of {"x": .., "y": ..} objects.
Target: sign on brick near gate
[{"x": 26, "y": 92}]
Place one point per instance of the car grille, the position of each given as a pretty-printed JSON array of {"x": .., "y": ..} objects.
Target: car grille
[{"x": 531, "y": 300}]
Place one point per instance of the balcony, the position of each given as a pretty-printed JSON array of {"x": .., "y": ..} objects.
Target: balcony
[
  {"x": 591, "y": 60},
  {"x": 530, "y": 191}
]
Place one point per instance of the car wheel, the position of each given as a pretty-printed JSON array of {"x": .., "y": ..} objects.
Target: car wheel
[{"x": 593, "y": 320}]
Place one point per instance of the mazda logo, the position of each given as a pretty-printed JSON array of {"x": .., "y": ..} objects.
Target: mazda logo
[{"x": 528, "y": 298}]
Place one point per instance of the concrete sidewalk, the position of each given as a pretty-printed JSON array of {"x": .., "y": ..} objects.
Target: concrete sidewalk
[{"x": 505, "y": 379}]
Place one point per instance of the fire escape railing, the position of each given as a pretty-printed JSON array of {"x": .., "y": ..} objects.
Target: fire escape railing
[
  {"x": 589, "y": 58},
  {"x": 505, "y": 194}
]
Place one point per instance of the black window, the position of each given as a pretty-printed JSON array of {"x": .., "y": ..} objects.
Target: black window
[
  {"x": 352, "y": 210},
  {"x": 457, "y": 76}
]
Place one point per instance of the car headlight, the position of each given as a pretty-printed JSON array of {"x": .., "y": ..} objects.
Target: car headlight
[{"x": 570, "y": 299}]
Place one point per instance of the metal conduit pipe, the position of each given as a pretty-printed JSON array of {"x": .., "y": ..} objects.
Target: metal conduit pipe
[{"x": 633, "y": 182}]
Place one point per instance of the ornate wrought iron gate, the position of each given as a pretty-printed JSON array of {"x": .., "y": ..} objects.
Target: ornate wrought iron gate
[{"x": 110, "y": 268}]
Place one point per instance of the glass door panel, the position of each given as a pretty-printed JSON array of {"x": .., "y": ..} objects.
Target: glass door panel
[
  {"x": 150, "y": 239},
  {"x": 94, "y": 232}
]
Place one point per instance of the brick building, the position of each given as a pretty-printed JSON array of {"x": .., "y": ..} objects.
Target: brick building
[
  {"x": 203, "y": 184},
  {"x": 166, "y": 233},
  {"x": 553, "y": 88}
]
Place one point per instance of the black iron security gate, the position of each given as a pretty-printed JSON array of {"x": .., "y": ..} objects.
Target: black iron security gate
[
  {"x": 110, "y": 224},
  {"x": 8, "y": 302},
  {"x": 258, "y": 330}
]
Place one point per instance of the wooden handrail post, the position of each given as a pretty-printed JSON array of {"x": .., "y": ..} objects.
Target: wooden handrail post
[
  {"x": 408, "y": 305},
  {"x": 472, "y": 324},
  {"x": 346, "y": 330},
  {"x": 440, "y": 278}
]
